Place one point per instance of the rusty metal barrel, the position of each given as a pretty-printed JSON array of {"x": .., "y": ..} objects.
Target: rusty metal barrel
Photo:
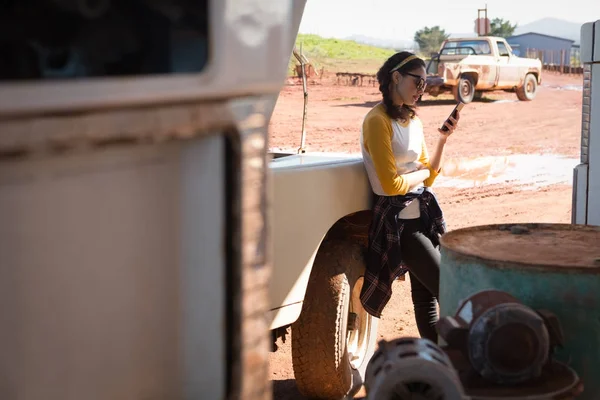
[{"x": 555, "y": 267}]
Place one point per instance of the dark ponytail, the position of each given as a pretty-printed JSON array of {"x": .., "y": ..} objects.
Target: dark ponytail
[{"x": 384, "y": 77}]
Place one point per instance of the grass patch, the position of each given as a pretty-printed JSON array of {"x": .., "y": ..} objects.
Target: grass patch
[{"x": 337, "y": 55}]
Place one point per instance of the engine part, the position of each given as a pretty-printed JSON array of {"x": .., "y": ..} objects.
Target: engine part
[
  {"x": 411, "y": 368},
  {"x": 505, "y": 341}
]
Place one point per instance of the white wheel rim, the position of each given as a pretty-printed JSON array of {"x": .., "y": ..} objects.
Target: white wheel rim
[
  {"x": 466, "y": 89},
  {"x": 529, "y": 87},
  {"x": 357, "y": 340}
]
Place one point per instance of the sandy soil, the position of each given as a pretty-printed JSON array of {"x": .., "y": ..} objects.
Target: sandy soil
[{"x": 497, "y": 126}]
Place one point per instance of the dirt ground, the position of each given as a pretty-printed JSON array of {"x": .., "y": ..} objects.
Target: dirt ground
[{"x": 496, "y": 127}]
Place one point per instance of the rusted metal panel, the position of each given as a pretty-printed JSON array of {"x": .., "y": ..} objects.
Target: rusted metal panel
[
  {"x": 62, "y": 134},
  {"x": 255, "y": 257},
  {"x": 172, "y": 220}
]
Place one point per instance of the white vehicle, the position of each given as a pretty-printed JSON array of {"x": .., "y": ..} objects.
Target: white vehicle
[{"x": 468, "y": 67}]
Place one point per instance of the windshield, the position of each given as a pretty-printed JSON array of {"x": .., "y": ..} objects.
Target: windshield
[{"x": 466, "y": 47}]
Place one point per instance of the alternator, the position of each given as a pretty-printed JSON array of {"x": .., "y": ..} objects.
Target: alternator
[
  {"x": 505, "y": 341},
  {"x": 410, "y": 369}
]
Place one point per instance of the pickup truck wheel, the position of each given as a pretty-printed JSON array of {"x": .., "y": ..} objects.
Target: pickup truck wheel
[
  {"x": 528, "y": 91},
  {"x": 334, "y": 338},
  {"x": 465, "y": 90}
]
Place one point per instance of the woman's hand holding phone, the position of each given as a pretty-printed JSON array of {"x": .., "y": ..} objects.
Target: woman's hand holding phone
[{"x": 450, "y": 124}]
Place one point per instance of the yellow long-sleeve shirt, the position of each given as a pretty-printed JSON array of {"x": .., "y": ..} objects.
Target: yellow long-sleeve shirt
[{"x": 390, "y": 149}]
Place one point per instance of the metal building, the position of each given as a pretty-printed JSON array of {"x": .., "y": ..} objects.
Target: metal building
[{"x": 550, "y": 45}]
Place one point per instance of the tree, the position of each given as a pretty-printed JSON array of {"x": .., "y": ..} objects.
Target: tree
[
  {"x": 502, "y": 28},
  {"x": 429, "y": 40}
]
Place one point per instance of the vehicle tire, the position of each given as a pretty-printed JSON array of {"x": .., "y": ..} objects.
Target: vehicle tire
[
  {"x": 329, "y": 357},
  {"x": 528, "y": 91},
  {"x": 465, "y": 90}
]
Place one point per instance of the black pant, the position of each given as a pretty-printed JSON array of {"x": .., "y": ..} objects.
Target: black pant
[{"x": 423, "y": 262}]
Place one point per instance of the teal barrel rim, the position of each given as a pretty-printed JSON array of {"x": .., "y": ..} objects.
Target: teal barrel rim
[{"x": 546, "y": 266}]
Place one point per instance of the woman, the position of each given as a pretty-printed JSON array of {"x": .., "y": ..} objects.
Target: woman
[{"x": 407, "y": 221}]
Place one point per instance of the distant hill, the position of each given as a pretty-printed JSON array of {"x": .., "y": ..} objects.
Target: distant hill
[{"x": 553, "y": 27}]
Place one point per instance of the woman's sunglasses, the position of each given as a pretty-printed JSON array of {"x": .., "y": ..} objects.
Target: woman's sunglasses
[{"x": 419, "y": 81}]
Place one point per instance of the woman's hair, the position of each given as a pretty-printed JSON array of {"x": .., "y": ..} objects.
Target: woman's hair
[{"x": 384, "y": 77}]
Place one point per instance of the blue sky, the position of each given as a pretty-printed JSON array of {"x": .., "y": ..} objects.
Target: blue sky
[{"x": 395, "y": 19}]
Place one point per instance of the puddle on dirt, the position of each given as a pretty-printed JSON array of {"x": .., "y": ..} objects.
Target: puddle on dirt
[
  {"x": 576, "y": 88},
  {"x": 531, "y": 171},
  {"x": 504, "y": 101}
]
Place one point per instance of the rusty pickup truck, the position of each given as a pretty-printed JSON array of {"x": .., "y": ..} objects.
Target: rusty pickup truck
[{"x": 467, "y": 67}]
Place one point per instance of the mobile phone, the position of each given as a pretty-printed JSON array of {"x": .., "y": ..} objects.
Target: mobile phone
[{"x": 458, "y": 108}]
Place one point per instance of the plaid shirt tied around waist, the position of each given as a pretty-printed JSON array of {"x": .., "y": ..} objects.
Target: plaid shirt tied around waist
[{"x": 384, "y": 258}]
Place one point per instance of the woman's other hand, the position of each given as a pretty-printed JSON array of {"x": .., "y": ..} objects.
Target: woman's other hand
[{"x": 420, "y": 166}]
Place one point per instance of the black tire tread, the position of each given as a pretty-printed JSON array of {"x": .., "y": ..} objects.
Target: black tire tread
[{"x": 320, "y": 361}]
